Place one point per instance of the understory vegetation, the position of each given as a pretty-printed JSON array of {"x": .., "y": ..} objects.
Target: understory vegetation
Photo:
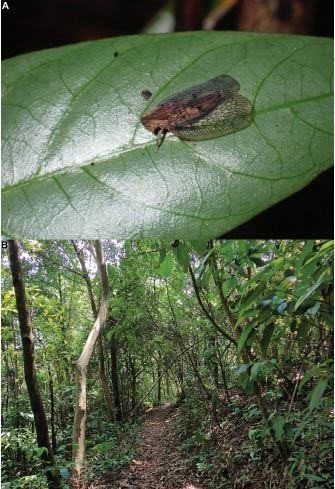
[{"x": 236, "y": 335}]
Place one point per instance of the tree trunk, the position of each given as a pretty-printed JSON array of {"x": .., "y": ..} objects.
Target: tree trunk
[
  {"x": 115, "y": 380},
  {"x": 102, "y": 370},
  {"x": 13, "y": 386},
  {"x": 79, "y": 425},
  {"x": 167, "y": 386},
  {"x": 159, "y": 383},
  {"x": 52, "y": 412},
  {"x": 133, "y": 389},
  {"x": 224, "y": 376},
  {"x": 37, "y": 407},
  {"x": 104, "y": 381},
  {"x": 213, "y": 363}
]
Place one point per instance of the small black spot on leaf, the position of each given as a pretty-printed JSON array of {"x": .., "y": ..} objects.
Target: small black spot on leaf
[{"x": 146, "y": 94}]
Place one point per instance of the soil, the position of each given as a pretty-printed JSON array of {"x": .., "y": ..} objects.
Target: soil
[{"x": 157, "y": 463}]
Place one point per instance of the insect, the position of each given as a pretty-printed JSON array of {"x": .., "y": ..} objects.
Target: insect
[{"x": 212, "y": 109}]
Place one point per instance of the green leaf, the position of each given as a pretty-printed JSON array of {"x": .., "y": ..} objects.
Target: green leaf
[
  {"x": 181, "y": 253},
  {"x": 248, "y": 313},
  {"x": 41, "y": 450},
  {"x": 242, "y": 368},
  {"x": 302, "y": 332},
  {"x": 199, "y": 246},
  {"x": 266, "y": 338},
  {"x": 327, "y": 246},
  {"x": 104, "y": 447},
  {"x": 278, "y": 263},
  {"x": 166, "y": 267},
  {"x": 324, "y": 277},
  {"x": 77, "y": 161},
  {"x": 246, "y": 383},
  {"x": 314, "y": 309},
  {"x": 251, "y": 297},
  {"x": 162, "y": 255},
  {"x": 203, "y": 466},
  {"x": 244, "y": 336},
  {"x": 308, "y": 248},
  {"x": 255, "y": 369},
  {"x": 312, "y": 261},
  {"x": 314, "y": 477},
  {"x": 278, "y": 425},
  {"x": 251, "y": 338},
  {"x": 314, "y": 371},
  {"x": 243, "y": 374},
  {"x": 317, "y": 394}
]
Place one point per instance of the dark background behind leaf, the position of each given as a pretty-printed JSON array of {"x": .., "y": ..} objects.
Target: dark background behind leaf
[{"x": 41, "y": 25}]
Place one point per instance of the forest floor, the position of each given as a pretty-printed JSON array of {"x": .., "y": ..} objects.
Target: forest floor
[{"x": 157, "y": 463}]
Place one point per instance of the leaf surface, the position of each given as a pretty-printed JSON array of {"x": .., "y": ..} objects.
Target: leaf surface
[
  {"x": 317, "y": 394},
  {"x": 77, "y": 162}
]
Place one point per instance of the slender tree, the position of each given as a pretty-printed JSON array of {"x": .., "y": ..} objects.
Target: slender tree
[
  {"x": 102, "y": 370},
  {"x": 27, "y": 338},
  {"x": 79, "y": 426},
  {"x": 115, "y": 378}
]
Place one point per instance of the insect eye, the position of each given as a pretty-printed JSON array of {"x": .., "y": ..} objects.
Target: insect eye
[{"x": 156, "y": 131}]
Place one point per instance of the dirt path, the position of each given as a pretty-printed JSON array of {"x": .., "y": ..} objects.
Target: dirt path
[{"x": 157, "y": 463}]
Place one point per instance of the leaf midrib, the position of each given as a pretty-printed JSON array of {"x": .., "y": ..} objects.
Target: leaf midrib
[{"x": 112, "y": 156}]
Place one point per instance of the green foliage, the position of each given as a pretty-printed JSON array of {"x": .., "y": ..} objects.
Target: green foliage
[
  {"x": 166, "y": 266},
  {"x": 73, "y": 132},
  {"x": 317, "y": 394},
  {"x": 313, "y": 463},
  {"x": 248, "y": 373},
  {"x": 194, "y": 424},
  {"x": 245, "y": 336},
  {"x": 114, "y": 451},
  {"x": 243, "y": 373},
  {"x": 21, "y": 456},
  {"x": 274, "y": 298},
  {"x": 259, "y": 435},
  {"x": 266, "y": 338},
  {"x": 252, "y": 413},
  {"x": 35, "y": 481},
  {"x": 278, "y": 424},
  {"x": 316, "y": 371}
]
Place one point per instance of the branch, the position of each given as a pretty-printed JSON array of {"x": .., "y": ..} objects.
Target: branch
[
  {"x": 209, "y": 317},
  {"x": 164, "y": 372},
  {"x": 218, "y": 283}
]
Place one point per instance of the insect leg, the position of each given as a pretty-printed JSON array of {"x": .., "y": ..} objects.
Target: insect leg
[{"x": 160, "y": 136}]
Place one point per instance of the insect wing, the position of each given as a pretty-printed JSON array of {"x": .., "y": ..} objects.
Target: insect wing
[
  {"x": 223, "y": 84},
  {"x": 171, "y": 114},
  {"x": 229, "y": 116}
]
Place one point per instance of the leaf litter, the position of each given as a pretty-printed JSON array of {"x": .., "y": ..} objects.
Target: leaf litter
[{"x": 158, "y": 464}]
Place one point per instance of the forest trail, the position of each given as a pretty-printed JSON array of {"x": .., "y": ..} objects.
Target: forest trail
[{"x": 157, "y": 463}]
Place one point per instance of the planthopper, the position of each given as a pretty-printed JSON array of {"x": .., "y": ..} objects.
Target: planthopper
[{"x": 209, "y": 110}]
